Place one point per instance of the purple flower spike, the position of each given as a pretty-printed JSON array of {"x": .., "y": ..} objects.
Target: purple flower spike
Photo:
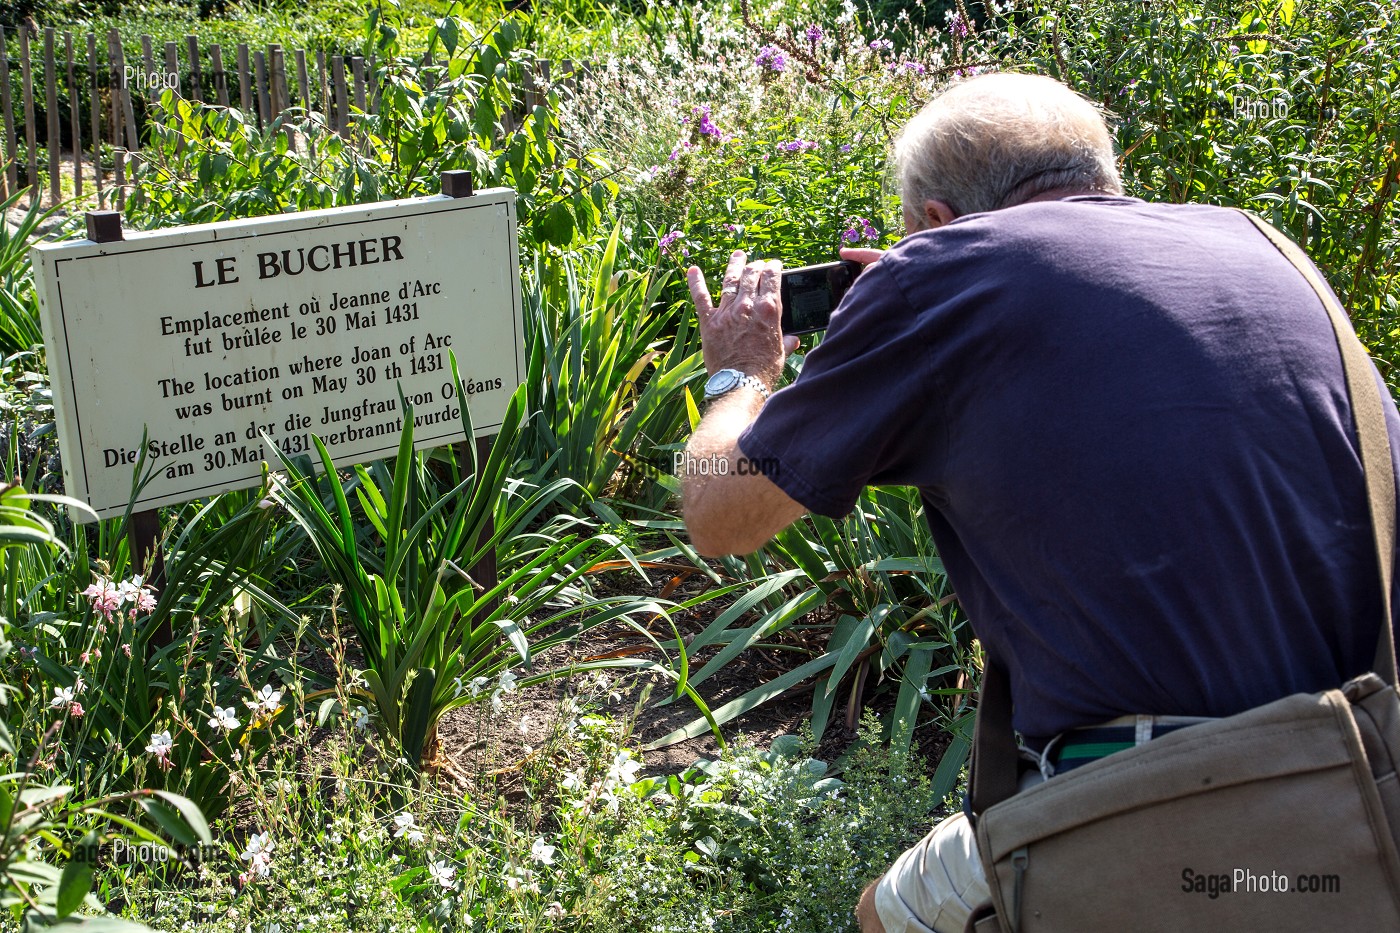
[
  {"x": 814, "y": 34},
  {"x": 669, "y": 239},
  {"x": 771, "y": 57}
]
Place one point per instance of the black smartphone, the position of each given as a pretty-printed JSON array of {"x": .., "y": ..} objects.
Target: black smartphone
[{"x": 811, "y": 293}]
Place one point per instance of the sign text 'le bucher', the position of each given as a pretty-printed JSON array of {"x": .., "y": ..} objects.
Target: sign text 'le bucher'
[{"x": 205, "y": 338}]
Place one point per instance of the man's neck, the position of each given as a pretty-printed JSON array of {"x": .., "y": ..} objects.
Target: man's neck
[{"x": 1055, "y": 194}]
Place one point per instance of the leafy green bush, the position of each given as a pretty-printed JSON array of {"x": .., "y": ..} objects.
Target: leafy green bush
[
  {"x": 43, "y": 822},
  {"x": 608, "y": 367},
  {"x": 208, "y": 163},
  {"x": 1288, "y": 109},
  {"x": 756, "y": 841},
  {"x": 433, "y": 638},
  {"x": 766, "y": 137}
]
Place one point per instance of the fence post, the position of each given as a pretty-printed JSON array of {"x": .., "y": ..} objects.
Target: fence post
[
  {"x": 459, "y": 184},
  {"x": 75, "y": 123},
  {"x": 245, "y": 86},
  {"x": 51, "y": 115},
  {"x": 26, "y": 71},
  {"x": 216, "y": 56},
  {"x": 114, "y": 83},
  {"x": 196, "y": 78},
  {"x": 264, "y": 106},
  {"x": 9, "y": 183},
  {"x": 143, "y": 530},
  {"x": 96, "y": 110}
]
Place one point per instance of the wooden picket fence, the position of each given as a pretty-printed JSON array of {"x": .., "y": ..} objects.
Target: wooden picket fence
[{"x": 261, "y": 83}]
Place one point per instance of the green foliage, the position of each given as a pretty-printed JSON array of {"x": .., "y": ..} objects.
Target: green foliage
[
  {"x": 759, "y": 840},
  {"x": 432, "y": 637},
  {"x": 208, "y": 163},
  {"x": 49, "y": 841},
  {"x": 758, "y": 137},
  {"x": 871, "y": 588},
  {"x": 331, "y": 25},
  {"x": 608, "y": 366},
  {"x": 765, "y": 840},
  {"x": 1288, "y": 109},
  {"x": 19, "y": 307}
]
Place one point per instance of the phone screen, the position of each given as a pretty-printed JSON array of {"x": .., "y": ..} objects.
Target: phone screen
[{"x": 811, "y": 293}]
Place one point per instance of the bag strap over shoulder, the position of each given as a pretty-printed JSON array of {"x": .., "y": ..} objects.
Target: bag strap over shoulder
[
  {"x": 994, "y": 754},
  {"x": 1368, "y": 411}
]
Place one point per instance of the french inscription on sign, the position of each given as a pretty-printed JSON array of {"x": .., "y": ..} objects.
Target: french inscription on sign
[{"x": 203, "y": 339}]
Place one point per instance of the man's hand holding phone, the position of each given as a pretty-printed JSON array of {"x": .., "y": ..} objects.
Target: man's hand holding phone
[
  {"x": 742, "y": 331},
  {"x": 761, "y": 309}
]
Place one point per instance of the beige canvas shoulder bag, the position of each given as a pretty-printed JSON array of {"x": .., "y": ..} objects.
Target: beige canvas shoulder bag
[{"x": 1282, "y": 818}]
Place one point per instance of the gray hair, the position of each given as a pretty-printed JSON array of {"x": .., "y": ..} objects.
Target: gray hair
[{"x": 998, "y": 140}]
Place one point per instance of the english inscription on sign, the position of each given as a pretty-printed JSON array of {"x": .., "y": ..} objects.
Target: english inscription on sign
[{"x": 206, "y": 338}]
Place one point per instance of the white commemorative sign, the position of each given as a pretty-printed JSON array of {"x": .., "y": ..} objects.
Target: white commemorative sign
[{"x": 203, "y": 338}]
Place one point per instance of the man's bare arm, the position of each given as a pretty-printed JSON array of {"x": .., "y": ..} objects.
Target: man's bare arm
[{"x": 730, "y": 508}]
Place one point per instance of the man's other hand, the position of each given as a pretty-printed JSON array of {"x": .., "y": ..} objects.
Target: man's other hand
[
  {"x": 744, "y": 331},
  {"x": 864, "y": 255}
]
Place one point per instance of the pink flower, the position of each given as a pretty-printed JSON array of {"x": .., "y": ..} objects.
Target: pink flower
[
  {"x": 106, "y": 598},
  {"x": 75, "y": 709}
]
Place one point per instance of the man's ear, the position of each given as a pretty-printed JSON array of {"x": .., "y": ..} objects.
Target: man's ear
[{"x": 937, "y": 213}]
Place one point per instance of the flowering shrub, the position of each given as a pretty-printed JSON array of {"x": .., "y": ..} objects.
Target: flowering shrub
[{"x": 772, "y": 151}]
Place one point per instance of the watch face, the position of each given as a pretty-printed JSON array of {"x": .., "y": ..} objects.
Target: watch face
[{"x": 722, "y": 381}]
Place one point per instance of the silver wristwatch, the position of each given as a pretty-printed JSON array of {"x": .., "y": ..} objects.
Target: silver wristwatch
[{"x": 727, "y": 380}]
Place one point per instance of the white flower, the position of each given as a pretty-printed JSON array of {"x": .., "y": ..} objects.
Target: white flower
[
  {"x": 524, "y": 725},
  {"x": 223, "y": 718},
  {"x": 555, "y": 911},
  {"x": 258, "y": 844},
  {"x": 479, "y": 684},
  {"x": 161, "y": 744},
  {"x": 542, "y": 852},
  {"x": 443, "y": 873},
  {"x": 624, "y": 768},
  {"x": 62, "y": 697},
  {"x": 508, "y": 679},
  {"x": 405, "y": 828},
  {"x": 361, "y": 718},
  {"x": 258, "y": 855},
  {"x": 266, "y": 698},
  {"x": 496, "y": 702}
]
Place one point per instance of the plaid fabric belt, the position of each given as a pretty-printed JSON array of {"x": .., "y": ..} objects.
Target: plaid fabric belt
[{"x": 1081, "y": 746}]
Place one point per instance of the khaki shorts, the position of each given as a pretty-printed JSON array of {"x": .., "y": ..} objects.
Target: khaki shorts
[{"x": 935, "y": 884}]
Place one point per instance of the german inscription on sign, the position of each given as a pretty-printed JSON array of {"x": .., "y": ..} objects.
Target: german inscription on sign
[{"x": 205, "y": 338}]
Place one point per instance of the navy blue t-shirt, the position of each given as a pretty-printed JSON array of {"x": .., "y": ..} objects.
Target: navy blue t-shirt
[{"x": 1130, "y": 428}]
